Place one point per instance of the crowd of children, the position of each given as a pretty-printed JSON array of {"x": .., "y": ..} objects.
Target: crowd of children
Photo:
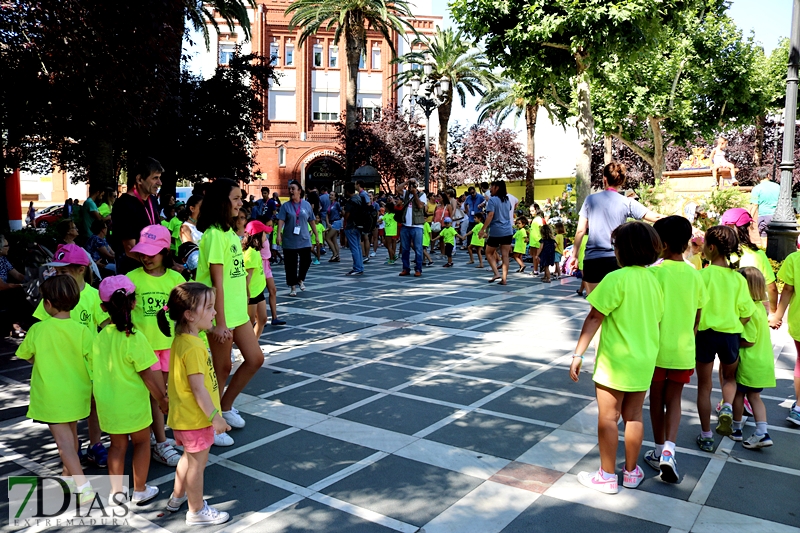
[{"x": 662, "y": 320}]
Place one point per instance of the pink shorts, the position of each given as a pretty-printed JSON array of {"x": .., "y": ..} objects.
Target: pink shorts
[
  {"x": 797, "y": 361},
  {"x": 194, "y": 440},
  {"x": 267, "y": 270},
  {"x": 163, "y": 361}
]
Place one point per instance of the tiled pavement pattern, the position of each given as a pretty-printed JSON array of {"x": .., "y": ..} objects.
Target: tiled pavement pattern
[{"x": 442, "y": 404}]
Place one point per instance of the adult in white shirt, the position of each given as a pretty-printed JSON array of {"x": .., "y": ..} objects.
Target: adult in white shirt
[{"x": 413, "y": 217}]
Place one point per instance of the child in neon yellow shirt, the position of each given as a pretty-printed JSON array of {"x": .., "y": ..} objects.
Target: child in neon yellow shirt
[
  {"x": 476, "y": 243},
  {"x": 123, "y": 383},
  {"x": 154, "y": 280},
  {"x": 790, "y": 274},
  {"x": 684, "y": 297},
  {"x": 61, "y": 390},
  {"x": 448, "y": 236},
  {"x": 520, "y": 242},
  {"x": 194, "y": 399},
  {"x": 560, "y": 238},
  {"x": 256, "y": 277},
  {"x": 390, "y": 232},
  {"x": 316, "y": 244},
  {"x": 629, "y": 304},
  {"x": 729, "y": 307},
  {"x": 756, "y": 369},
  {"x": 426, "y": 243}
]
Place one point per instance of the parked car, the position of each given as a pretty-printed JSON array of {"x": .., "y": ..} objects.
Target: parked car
[{"x": 49, "y": 215}]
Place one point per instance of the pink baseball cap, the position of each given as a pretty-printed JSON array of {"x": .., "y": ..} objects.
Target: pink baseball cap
[
  {"x": 254, "y": 227},
  {"x": 112, "y": 284},
  {"x": 152, "y": 240},
  {"x": 69, "y": 254},
  {"x": 736, "y": 216}
]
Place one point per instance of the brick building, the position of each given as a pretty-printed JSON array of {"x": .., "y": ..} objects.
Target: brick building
[{"x": 298, "y": 137}]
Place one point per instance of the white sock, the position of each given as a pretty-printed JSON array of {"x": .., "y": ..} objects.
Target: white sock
[
  {"x": 86, "y": 485},
  {"x": 737, "y": 424},
  {"x": 669, "y": 446},
  {"x": 761, "y": 428},
  {"x": 606, "y": 475},
  {"x": 797, "y": 408},
  {"x": 659, "y": 449}
]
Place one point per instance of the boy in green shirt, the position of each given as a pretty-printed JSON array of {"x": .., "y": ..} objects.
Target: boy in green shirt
[
  {"x": 426, "y": 244},
  {"x": 476, "y": 243},
  {"x": 448, "y": 235}
]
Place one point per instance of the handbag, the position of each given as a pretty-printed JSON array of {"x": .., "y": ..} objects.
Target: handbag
[{"x": 436, "y": 227}]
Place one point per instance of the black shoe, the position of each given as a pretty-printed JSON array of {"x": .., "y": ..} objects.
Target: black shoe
[
  {"x": 355, "y": 273},
  {"x": 366, "y": 260}
]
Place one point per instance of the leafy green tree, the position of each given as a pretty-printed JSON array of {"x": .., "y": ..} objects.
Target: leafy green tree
[
  {"x": 700, "y": 77},
  {"x": 453, "y": 58},
  {"x": 349, "y": 20},
  {"x": 565, "y": 39}
]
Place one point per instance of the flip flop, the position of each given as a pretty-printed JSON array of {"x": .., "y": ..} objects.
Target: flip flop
[{"x": 494, "y": 279}]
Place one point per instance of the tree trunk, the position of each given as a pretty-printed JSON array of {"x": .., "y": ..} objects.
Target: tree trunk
[
  {"x": 102, "y": 167},
  {"x": 608, "y": 148},
  {"x": 354, "y": 45},
  {"x": 585, "y": 126},
  {"x": 658, "y": 149},
  {"x": 444, "y": 120},
  {"x": 758, "y": 149},
  {"x": 531, "y": 112}
]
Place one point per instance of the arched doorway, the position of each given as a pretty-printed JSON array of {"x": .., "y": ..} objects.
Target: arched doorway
[{"x": 324, "y": 172}]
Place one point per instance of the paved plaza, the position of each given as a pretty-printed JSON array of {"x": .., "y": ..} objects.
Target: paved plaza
[{"x": 441, "y": 404}]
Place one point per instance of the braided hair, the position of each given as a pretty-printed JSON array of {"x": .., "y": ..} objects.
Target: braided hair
[
  {"x": 185, "y": 297},
  {"x": 726, "y": 241},
  {"x": 119, "y": 308}
]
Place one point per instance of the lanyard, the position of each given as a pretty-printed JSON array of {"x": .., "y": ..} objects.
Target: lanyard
[
  {"x": 297, "y": 212},
  {"x": 612, "y": 189},
  {"x": 150, "y": 215}
]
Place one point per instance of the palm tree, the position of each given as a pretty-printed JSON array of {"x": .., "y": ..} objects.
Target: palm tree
[
  {"x": 508, "y": 98},
  {"x": 351, "y": 19},
  {"x": 457, "y": 59},
  {"x": 199, "y": 12}
]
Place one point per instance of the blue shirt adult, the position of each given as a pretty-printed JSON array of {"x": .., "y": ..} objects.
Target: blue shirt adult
[
  {"x": 324, "y": 203},
  {"x": 472, "y": 206},
  {"x": 259, "y": 210},
  {"x": 765, "y": 196},
  {"x": 606, "y": 211},
  {"x": 501, "y": 221},
  {"x": 296, "y": 215}
]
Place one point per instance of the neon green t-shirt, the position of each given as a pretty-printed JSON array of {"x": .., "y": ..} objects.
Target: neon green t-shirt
[
  {"x": 757, "y": 363},
  {"x": 122, "y": 398},
  {"x": 311, "y": 233},
  {"x": 758, "y": 259},
  {"x": 535, "y": 235},
  {"x": 633, "y": 304},
  {"x": 559, "y": 238},
  {"x": 684, "y": 293},
  {"x": 174, "y": 227},
  {"x": 104, "y": 209},
  {"x": 224, "y": 248},
  {"x": 152, "y": 293},
  {"x": 390, "y": 225},
  {"x": 475, "y": 240},
  {"x": 448, "y": 235},
  {"x": 61, "y": 390},
  {"x": 790, "y": 274},
  {"x": 584, "y": 242},
  {"x": 321, "y": 232},
  {"x": 519, "y": 241},
  {"x": 252, "y": 260},
  {"x": 728, "y": 300},
  {"x": 426, "y": 234},
  {"x": 189, "y": 356},
  {"x": 88, "y": 311}
]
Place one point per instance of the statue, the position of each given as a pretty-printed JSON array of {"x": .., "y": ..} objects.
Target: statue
[{"x": 698, "y": 159}]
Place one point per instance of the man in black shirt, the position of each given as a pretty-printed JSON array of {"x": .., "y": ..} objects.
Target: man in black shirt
[{"x": 135, "y": 210}]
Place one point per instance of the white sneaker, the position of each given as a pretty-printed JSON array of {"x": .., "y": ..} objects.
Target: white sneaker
[
  {"x": 233, "y": 418},
  {"x": 174, "y": 504},
  {"x": 372, "y": 254},
  {"x": 223, "y": 439},
  {"x": 596, "y": 481},
  {"x": 118, "y": 498},
  {"x": 141, "y": 498},
  {"x": 165, "y": 454},
  {"x": 207, "y": 516}
]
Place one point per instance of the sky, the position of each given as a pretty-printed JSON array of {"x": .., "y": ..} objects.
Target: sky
[{"x": 769, "y": 20}]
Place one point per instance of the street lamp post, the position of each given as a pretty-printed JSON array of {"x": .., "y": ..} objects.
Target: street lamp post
[
  {"x": 427, "y": 94},
  {"x": 782, "y": 232}
]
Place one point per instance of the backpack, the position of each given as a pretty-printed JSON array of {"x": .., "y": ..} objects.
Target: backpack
[{"x": 365, "y": 218}]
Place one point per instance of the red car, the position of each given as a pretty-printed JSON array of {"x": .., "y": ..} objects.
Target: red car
[{"x": 49, "y": 216}]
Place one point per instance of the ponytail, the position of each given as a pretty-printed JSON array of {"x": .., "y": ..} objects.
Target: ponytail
[
  {"x": 163, "y": 322},
  {"x": 725, "y": 240},
  {"x": 119, "y": 308}
]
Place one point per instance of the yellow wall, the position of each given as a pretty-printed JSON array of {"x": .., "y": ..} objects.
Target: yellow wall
[{"x": 545, "y": 188}]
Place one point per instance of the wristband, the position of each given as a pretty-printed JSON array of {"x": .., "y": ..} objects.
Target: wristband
[
  {"x": 576, "y": 355},
  {"x": 214, "y": 413}
]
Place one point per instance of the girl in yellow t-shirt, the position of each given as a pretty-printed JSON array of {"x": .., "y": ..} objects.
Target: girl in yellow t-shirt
[
  {"x": 123, "y": 383},
  {"x": 476, "y": 243},
  {"x": 629, "y": 304},
  {"x": 61, "y": 390},
  {"x": 756, "y": 369},
  {"x": 221, "y": 266},
  {"x": 560, "y": 238},
  {"x": 390, "y": 232},
  {"x": 154, "y": 280},
  {"x": 520, "y": 242},
  {"x": 194, "y": 402},
  {"x": 256, "y": 280},
  {"x": 729, "y": 307}
]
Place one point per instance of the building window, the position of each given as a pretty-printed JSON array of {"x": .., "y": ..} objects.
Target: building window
[
  {"x": 282, "y": 156},
  {"x": 333, "y": 56},
  {"x": 325, "y": 107},
  {"x": 273, "y": 54},
  {"x": 369, "y": 114},
  {"x": 226, "y": 52},
  {"x": 318, "y": 56},
  {"x": 376, "y": 59},
  {"x": 282, "y": 106},
  {"x": 362, "y": 62},
  {"x": 289, "y": 60}
]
